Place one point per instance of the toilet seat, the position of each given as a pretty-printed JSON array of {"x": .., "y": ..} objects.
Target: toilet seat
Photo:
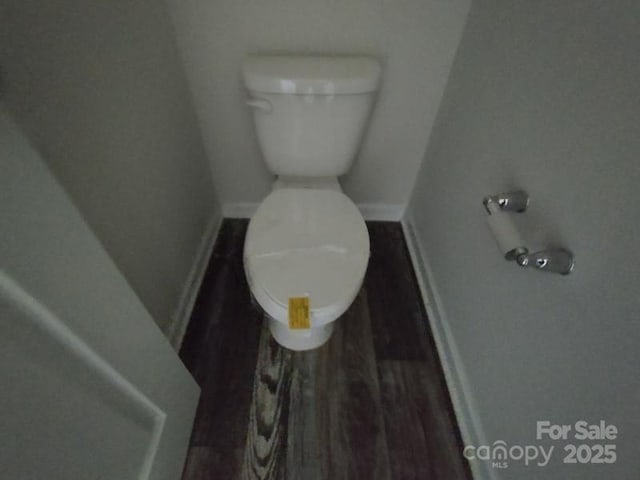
[{"x": 306, "y": 242}]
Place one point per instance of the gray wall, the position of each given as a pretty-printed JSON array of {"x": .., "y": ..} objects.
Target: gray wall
[
  {"x": 543, "y": 96},
  {"x": 99, "y": 88},
  {"x": 414, "y": 39}
]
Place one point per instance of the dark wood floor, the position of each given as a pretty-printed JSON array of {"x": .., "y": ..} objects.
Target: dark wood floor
[{"x": 370, "y": 404}]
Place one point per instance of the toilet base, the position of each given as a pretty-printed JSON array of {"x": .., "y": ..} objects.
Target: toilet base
[{"x": 300, "y": 339}]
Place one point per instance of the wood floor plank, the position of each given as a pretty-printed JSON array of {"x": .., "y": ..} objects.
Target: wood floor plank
[
  {"x": 221, "y": 346},
  {"x": 397, "y": 313},
  {"x": 206, "y": 463},
  {"x": 304, "y": 451},
  {"x": 266, "y": 442},
  {"x": 421, "y": 433},
  {"x": 222, "y": 316},
  {"x": 349, "y": 408}
]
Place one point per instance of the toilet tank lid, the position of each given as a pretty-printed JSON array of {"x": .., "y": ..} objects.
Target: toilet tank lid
[{"x": 315, "y": 75}]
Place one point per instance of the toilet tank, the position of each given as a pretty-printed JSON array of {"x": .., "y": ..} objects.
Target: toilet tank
[{"x": 310, "y": 112}]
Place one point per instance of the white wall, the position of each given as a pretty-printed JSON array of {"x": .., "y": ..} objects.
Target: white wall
[
  {"x": 542, "y": 96},
  {"x": 99, "y": 88},
  {"x": 415, "y": 40}
]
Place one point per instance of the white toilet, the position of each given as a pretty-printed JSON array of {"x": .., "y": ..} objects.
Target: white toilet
[{"x": 308, "y": 239}]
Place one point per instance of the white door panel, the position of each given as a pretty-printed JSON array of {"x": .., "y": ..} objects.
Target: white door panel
[
  {"x": 63, "y": 398},
  {"x": 89, "y": 386}
]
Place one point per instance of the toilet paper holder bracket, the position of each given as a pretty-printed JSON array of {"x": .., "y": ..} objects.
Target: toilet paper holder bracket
[
  {"x": 553, "y": 260},
  {"x": 557, "y": 260}
]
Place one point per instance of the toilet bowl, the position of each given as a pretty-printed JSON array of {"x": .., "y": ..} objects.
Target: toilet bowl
[
  {"x": 306, "y": 242},
  {"x": 307, "y": 239}
]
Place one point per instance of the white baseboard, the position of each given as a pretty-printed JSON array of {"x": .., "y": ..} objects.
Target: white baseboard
[
  {"x": 389, "y": 212},
  {"x": 182, "y": 314},
  {"x": 239, "y": 209},
  {"x": 370, "y": 211},
  {"x": 471, "y": 428}
]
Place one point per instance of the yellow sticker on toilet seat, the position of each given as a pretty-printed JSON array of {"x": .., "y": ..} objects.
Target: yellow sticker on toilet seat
[{"x": 299, "y": 313}]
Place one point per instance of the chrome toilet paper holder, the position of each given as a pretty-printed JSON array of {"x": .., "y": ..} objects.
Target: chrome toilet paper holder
[{"x": 553, "y": 260}]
